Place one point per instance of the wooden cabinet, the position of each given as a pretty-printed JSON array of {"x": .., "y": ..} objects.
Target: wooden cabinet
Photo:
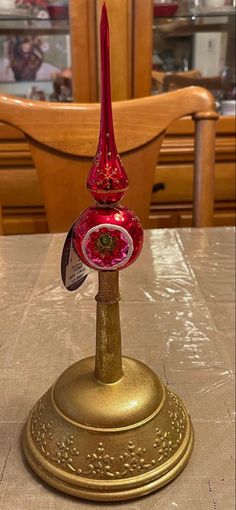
[
  {"x": 78, "y": 48},
  {"x": 22, "y": 202},
  {"x": 171, "y": 204},
  {"x": 20, "y": 196},
  {"x": 131, "y": 41},
  {"x": 131, "y": 23}
]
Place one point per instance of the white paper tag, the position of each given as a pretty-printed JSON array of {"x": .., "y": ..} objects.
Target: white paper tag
[{"x": 73, "y": 271}]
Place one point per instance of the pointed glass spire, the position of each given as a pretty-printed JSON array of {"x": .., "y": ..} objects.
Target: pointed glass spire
[{"x": 107, "y": 179}]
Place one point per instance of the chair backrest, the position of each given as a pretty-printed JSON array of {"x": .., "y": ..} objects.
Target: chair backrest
[
  {"x": 63, "y": 140},
  {"x": 177, "y": 81},
  {"x": 159, "y": 76}
]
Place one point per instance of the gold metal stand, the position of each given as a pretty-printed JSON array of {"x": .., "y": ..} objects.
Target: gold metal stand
[{"x": 108, "y": 429}]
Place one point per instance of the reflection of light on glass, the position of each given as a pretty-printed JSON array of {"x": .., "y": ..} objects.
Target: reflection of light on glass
[{"x": 118, "y": 217}]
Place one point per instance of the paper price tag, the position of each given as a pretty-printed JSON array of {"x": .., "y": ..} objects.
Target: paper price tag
[{"x": 73, "y": 271}]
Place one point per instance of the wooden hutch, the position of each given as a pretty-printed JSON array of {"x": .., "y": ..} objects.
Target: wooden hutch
[{"x": 131, "y": 63}]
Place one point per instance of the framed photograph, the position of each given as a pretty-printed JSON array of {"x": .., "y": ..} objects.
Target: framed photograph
[{"x": 32, "y": 57}]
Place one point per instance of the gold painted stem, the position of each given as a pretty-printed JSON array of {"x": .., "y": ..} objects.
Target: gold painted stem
[{"x": 108, "y": 364}]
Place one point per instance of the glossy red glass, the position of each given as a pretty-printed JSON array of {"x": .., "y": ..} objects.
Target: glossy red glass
[
  {"x": 165, "y": 9},
  {"x": 108, "y": 237},
  {"x": 107, "y": 179}
]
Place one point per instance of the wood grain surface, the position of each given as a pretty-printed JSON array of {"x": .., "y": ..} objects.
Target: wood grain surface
[{"x": 63, "y": 139}]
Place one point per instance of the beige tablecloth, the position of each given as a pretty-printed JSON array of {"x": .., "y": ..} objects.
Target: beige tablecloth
[{"x": 177, "y": 314}]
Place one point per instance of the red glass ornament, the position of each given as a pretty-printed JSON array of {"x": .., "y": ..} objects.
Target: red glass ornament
[
  {"x": 108, "y": 238},
  {"x": 107, "y": 179}
]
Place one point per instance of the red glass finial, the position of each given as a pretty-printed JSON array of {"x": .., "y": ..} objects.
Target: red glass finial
[
  {"x": 107, "y": 179},
  {"x": 107, "y": 236}
]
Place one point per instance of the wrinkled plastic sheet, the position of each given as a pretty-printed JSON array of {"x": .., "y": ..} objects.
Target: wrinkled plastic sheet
[{"x": 177, "y": 314}]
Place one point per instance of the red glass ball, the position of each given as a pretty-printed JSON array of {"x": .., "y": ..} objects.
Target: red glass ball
[{"x": 108, "y": 238}]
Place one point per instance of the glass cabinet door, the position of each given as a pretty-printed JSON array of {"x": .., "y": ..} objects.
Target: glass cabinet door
[
  {"x": 194, "y": 44},
  {"x": 49, "y": 49},
  {"x": 35, "y": 59}
]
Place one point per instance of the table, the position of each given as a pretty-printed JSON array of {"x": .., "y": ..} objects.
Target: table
[{"x": 177, "y": 315}]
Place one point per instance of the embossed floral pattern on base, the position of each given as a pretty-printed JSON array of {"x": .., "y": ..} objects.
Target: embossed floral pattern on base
[{"x": 100, "y": 462}]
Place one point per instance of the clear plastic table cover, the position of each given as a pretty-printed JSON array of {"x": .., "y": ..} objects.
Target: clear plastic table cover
[{"x": 177, "y": 313}]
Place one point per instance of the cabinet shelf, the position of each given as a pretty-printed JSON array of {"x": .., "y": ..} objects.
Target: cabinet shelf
[
  {"x": 19, "y": 21},
  {"x": 203, "y": 13},
  {"x": 199, "y": 43},
  {"x": 57, "y": 29},
  {"x": 30, "y": 25},
  {"x": 174, "y": 29}
]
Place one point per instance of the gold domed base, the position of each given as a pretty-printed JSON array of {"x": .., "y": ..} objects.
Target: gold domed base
[{"x": 108, "y": 442}]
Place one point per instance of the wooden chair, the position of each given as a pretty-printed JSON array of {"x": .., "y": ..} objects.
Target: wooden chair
[
  {"x": 177, "y": 81},
  {"x": 159, "y": 76},
  {"x": 63, "y": 140}
]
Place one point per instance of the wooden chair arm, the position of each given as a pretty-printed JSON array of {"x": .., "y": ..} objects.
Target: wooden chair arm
[{"x": 203, "y": 198}]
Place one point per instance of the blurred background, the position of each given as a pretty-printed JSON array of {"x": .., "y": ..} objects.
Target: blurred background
[{"x": 49, "y": 51}]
